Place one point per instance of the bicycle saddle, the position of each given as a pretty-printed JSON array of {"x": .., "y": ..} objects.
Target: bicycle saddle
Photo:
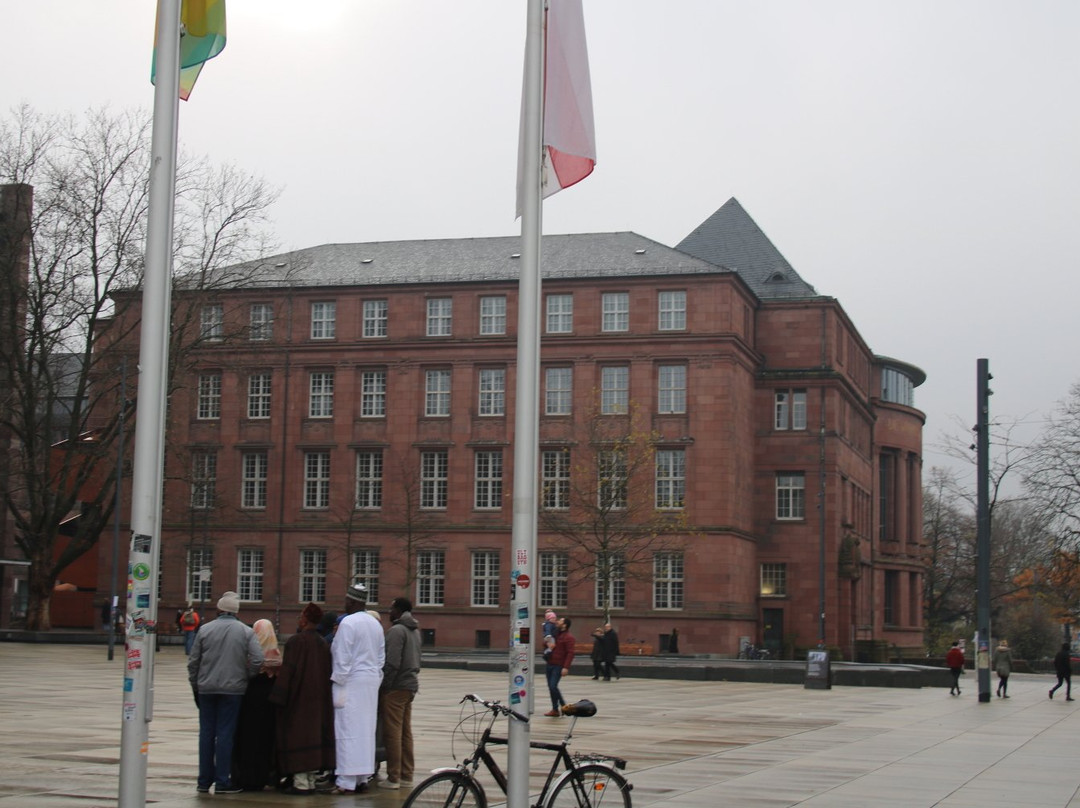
[{"x": 581, "y": 709}]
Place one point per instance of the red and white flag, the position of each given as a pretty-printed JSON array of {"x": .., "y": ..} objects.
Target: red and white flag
[{"x": 569, "y": 140}]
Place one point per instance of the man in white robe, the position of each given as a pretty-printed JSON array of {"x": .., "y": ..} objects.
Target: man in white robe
[{"x": 358, "y": 651}]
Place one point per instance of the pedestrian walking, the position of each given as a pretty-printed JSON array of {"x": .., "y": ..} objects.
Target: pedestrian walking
[
  {"x": 305, "y": 721},
  {"x": 1063, "y": 669},
  {"x": 955, "y": 660},
  {"x": 400, "y": 683},
  {"x": 1003, "y": 667},
  {"x": 358, "y": 652},
  {"x": 597, "y": 654},
  {"x": 611, "y": 652},
  {"x": 558, "y": 664},
  {"x": 224, "y": 657}
]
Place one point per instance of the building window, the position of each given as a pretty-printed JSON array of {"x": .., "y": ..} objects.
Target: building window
[
  {"x": 203, "y": 480},
  {"x": 209, "y": 396},
  {"x": 440, "y": 316},
  {"x": 258, "y": 404},
  {"x": 489, "y": 480},
  {"x": 493, "y": 315},
  {"x": 261, "y": 322},
  {"x": 433, "y": 479},
  {"x": 558, "y": 390},
  {"x": 672, "y": 311},
  {"x": 671, "y": 395},
  {"x": 553, "y": 578},
  {"x": 316, "y": 479},
  {"x": 373, "y": 394},
  {"x": 253, "y": 490},
  {"x": 614, "y": 390},
  {"x": 376, "y": 314},
  {"x": 430, "y": 577},
  {"x": 897, "y": 387},
  {"x": 437, "y": 393},
  {"x": 212, "y": 322},
  {"x": 249, "y": 574},
  {"x": 321, "y": 395},
  {"x": 790, "y": 409},
  {"x": 773, "y": 580},
  {"x": 365, "y": 569},
  {"x": 369, "y": 479},
  {"x": 313, "y": 576},
  {"x": 886, "y": 510},
  {"x": 668, "y": 581},
  {"x": 612, "y": 480},
  {"x": 616, "y": 311},
  {"x": 555, "y": 479},
  {"x": 791, "y": 495},
  {"x": 610, "y": 581},
  {"x": 324, "y": 320},
  {"x": 200, "y": 572},
  {"x": 891, "y": 598},
  {"x": 485, "y": 578},
  {"x": 492, "y": 391},
  {"x": 560, "y": 314},
  {"x": 670, "y": 478}
]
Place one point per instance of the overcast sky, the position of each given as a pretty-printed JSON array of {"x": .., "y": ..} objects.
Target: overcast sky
[{"x": 915, "y": 159}]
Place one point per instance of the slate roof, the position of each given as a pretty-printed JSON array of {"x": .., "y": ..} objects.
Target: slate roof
[
  {"x": 586, "y": 255},
  {"x": 730, "y": 238}
]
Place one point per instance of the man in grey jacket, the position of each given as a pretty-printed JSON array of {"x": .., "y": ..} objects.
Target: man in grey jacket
[
  {"x": 400, "y": 682},
  {"x": 225, "y": 656}
]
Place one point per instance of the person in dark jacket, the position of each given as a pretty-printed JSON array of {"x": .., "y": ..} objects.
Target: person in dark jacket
[
  {"x": 597, "y": 654},
  {"x": 253, "y": 752},
  {"x": 224, "y": 657},
  {"x": 611, "y": 652},
  {"x": 1063, "y": 669},
  {"x": 955, "y": 661},
  {"x": 305, "y": 720},
  {"x": 1003, "y": 668},
  {"x": 400, "y": 683}
]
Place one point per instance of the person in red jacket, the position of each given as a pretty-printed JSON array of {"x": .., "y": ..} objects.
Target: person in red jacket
[
  {"x": 955, "y": 660},
  {"x": 558, "y": 664}
]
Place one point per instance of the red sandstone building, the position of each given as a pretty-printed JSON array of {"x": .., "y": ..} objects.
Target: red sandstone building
[{"x": 349, "y": 414}]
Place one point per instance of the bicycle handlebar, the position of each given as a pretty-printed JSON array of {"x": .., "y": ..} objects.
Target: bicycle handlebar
[{"x": 495, "y": 707}]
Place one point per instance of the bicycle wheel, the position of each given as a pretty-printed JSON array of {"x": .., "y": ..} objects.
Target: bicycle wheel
[
  {"x": 447, "y": 790},
  {"x": 591, "y": 786}
]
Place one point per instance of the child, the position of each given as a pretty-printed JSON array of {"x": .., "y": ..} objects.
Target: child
[{"x": 548, "y": 630}]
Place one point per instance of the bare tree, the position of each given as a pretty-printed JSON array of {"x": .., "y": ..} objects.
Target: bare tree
[
  {"x": 1053, "y": 472},
  {"x": 604, "y": 514},
  {"x": 949, "y": 580},
  {"x": 85, "y": 233}
]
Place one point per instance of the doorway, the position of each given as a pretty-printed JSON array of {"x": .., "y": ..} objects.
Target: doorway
[{"x": 772, "y": 631}]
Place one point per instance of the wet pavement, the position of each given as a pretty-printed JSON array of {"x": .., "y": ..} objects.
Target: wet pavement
[{"x": 688, "y": 743}]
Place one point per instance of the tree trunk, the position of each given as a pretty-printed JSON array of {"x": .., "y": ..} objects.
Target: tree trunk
[{"x": 39, "y": 595}]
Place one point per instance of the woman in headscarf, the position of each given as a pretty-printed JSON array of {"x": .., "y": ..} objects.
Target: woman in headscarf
[{"x": 253, "y": 752}]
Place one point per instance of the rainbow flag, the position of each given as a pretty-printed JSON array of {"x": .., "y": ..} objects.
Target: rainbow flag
[{"x": 202, "y": 37}]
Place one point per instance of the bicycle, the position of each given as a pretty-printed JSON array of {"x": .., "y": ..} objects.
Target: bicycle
[{"x": 586, "y": 782}]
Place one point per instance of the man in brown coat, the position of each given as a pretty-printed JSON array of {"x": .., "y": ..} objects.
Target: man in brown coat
[{"x": 305, "y": 725}]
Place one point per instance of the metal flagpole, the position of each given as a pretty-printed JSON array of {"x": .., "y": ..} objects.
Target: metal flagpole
[
  {"x": 526, "y": 420},
  {"x": 149, "y": 452}
]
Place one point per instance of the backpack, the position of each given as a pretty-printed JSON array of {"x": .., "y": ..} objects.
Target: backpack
[{"x": 188, "y": 619}]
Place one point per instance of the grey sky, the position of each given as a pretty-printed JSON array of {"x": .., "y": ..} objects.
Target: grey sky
[{"x": 913, "y": 158}]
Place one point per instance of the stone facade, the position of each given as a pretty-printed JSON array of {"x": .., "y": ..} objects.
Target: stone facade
[{"x": 356, "y": 418}]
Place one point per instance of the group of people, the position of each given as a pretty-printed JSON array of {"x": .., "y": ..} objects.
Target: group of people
[
  {"x": 306, "y": 717},
  {"x": 1002, "y": 663}
]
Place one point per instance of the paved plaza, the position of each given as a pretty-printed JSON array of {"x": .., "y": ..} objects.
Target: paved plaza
[{"x": 689, "y": 744}]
